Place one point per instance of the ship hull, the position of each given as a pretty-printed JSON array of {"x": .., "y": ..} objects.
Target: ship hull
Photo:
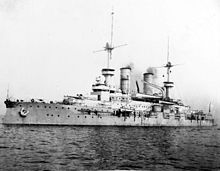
[{"x": 58, "y": 114}]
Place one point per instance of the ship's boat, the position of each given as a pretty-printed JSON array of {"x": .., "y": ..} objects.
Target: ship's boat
[{"x": 109, "y": 106}]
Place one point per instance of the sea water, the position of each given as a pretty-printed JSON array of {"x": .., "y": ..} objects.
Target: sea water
[{"x": 97, "y": 148}]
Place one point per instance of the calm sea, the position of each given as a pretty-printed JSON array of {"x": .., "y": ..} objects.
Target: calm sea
[{"x": 94, "y": 148}]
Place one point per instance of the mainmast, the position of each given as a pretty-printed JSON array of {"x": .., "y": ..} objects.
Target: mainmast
[
  {"x": 168, "y": 56},
  {"x": 168, "y": 84}
]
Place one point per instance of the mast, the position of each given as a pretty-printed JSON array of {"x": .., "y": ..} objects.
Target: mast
[
  {"x": 112, "y": 28},
  {"x": 168, "y": 55},
  {"x": 109, "y": 46},
  {"x": 108, "y": 72},
  {"x": 7, "y": 97},
  {"x": 168, "y": 84}
]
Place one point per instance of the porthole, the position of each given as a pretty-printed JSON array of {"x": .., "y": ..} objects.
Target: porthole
[
  {"x": 56, "y": 107},
  {"x": 30, "y": 106},
  {"x": 68, "y": 108},
  {"x": 38, "y": 106},
  {"x": 85, "y": 116},
  {"x": 51, "y": 114},
  {"x": 100, "y": 117},
  {"x": 49, "y": 107},
  {"x": 62, "y": 107},
  {"x": 20, "y": 105},
  {"x": 58, "y": 115},
  {"x": 68, "y": 116},
  {"x": 92, "y": 116},
  {"x": 77, "y": 116},
  {"x": 45, "y": 106},
  {"x": 47, "y": 114}
]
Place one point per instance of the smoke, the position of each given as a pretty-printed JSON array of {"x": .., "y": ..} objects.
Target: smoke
[
  {"x": 136, "y": 75},
  {"x": 10, "y": 5},
  {"x": 195, "y": 101},
  {"x": 130, "y": 65},
  {"x": 152, "y": 70}
]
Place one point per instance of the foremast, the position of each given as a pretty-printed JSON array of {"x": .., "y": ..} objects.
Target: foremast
[{"x": 103, "y": 89}]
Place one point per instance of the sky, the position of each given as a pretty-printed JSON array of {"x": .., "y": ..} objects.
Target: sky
[{"x": 46, "y": 46}]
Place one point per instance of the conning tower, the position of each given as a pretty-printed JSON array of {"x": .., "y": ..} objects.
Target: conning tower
[{"x": 125, "y": 78}]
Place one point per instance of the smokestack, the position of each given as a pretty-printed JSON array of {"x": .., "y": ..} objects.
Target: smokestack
[
  {"x": 125, "y": 80},
  {"x": 148, "y": 77}
]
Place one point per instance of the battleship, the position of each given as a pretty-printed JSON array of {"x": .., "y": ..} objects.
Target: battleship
[{"x": 111, "y": 106}]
